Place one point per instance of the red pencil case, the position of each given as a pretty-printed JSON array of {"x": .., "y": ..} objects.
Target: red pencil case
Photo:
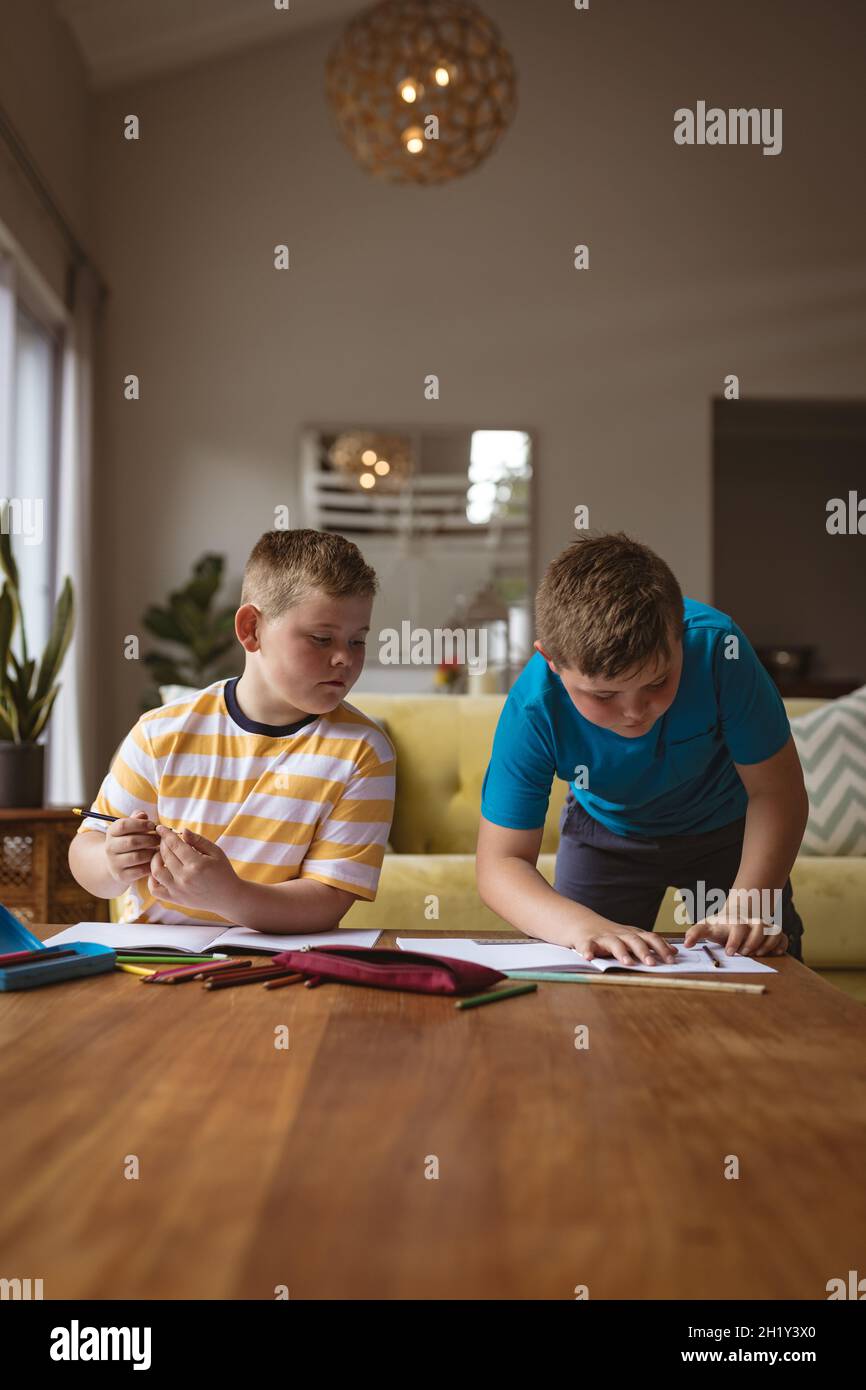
[{"x": 409, "y": 970}]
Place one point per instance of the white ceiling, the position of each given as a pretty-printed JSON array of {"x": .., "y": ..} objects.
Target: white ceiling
[{"x": 121, "y": 40}]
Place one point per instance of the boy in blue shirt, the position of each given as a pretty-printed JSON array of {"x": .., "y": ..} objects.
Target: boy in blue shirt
[{"x": 680, "y": 760}]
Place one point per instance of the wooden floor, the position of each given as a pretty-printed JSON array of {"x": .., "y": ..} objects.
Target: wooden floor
[{"x": 308, "y": 1168}]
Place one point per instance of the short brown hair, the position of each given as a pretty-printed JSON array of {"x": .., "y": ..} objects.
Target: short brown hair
[
  {"x": 285, "y": 565},
  {"x": 607, "y": 604}
]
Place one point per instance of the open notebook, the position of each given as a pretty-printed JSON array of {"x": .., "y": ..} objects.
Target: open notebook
[
  {"x": 147, "y": 936},
  {"x": 527, "y": 954}
]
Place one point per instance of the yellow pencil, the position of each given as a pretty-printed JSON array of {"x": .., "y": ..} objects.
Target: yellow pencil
[{"x": 133, "y": 969}]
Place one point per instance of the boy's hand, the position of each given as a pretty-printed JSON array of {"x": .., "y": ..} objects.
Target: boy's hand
[
  {"x": 749, "y": 937},
  {"x": 628, "y": 945},
  {"x": 129, "y": 847},
  {"x": 190, "y": 871}
]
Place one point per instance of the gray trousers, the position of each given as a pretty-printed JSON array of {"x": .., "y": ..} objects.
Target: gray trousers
[{"x": 625, "y": 877}]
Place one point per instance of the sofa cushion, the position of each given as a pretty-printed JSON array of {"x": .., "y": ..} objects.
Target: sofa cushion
[
  {"x": 831, "y": 742},
  {"x": 443, "y": 746}
]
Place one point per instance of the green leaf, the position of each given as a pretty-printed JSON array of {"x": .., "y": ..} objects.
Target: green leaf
[
  {"x": 163, "y": 624},
  {"x": 208, "y": 572},
  {"x": 58, "y": 639},
  {"x": 28, "y": 716},
  {"x": 10, "y": 715},
  {"x": 7, "y": 625},
  {"x": 7, "y": 559},
  {"x": 42, "y": 720},
  {"x": 23, "y": 678},
  {"x": 188, "y": 617}
]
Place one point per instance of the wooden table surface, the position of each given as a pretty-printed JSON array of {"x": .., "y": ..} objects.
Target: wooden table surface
[{"x": 557, "y": 1167}]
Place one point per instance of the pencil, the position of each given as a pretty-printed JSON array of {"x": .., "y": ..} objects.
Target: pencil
[
  {"x": 48, "y": 953},
  {"x": 716, "y": 963},
  {"x": 99, "y": 815},
  {"x": 133, "y": 970},
  {"x": 492, "y": 996},
  {"x": 178, "y": 974},
  {"x": 260, "y": 971},
  {"x": 277, "y": 983},
  {"x": 131, "y": 958},
  {"x": 645, "y": 981},
  {"x": 252, "y": 977}
]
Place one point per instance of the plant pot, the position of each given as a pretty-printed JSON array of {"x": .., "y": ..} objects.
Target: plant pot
[{"x": 22, "y": 772}]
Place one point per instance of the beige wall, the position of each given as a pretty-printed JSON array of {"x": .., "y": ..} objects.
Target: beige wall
[{"x": 703, "y": 262}]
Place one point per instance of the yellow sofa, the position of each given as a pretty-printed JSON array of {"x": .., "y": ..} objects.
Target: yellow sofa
[{"x": 443, "y": 744}]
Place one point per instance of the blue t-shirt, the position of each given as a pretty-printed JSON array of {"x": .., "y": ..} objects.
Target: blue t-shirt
[{"x": 677, "y": 779}]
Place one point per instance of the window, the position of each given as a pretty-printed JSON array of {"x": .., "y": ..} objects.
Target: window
[{"x": 30, "y": 471}]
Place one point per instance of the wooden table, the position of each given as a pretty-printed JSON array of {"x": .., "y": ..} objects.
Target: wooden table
[{"x": 558, "y": 1167}]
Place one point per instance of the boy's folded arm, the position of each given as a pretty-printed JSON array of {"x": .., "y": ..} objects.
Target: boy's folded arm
[
  {"x": 511, "y": 886},
  {"x": 300, "y": 905}
]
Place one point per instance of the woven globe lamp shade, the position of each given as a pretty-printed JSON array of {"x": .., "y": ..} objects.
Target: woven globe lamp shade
[{"x": 422, "y": 90}]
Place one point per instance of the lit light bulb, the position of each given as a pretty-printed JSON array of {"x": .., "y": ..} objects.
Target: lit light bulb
[
  {"x": 369, "y": 457},
  {"x": 381, "y": 466},
  {"x": 442, "y": 76},
  {"x": 408, "y": 89},
  {"x": 413, "y": 139},
  {"x": 367, "y": 480}
]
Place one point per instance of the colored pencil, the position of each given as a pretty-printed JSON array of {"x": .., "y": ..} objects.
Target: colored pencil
[
  {"x": 572, "y": 977},
  {"x": 280, "y": 983},
  {"x": 134, "y": 970},
  {"x": 178, "y": 974},
  {"x": 261, "y": 972},
  {"x": 48, "y": 953},
  {"x": 252, "y": 977},
  {"x": 492, "y": 995},
  {"x": 143, "y": 958}
]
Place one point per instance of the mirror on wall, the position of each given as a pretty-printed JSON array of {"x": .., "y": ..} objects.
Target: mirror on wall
[{"x": 444, "y": 516}]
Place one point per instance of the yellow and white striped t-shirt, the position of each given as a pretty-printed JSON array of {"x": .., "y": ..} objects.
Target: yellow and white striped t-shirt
[{"x": 308, "y": 800}]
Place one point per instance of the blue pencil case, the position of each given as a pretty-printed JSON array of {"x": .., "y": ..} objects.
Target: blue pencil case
[{"x": 89, "y": 957}]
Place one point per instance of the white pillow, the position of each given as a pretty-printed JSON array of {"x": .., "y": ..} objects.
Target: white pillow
[{"x": 831, "y": 742}]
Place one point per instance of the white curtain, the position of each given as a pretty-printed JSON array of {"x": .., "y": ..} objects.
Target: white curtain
[
  {"x": 7, "y": 369},
  {"x": 71, "y": 748}
]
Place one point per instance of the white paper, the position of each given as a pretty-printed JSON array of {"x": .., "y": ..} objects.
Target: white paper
[
  {"x": 131, "y": 935},
  {"x": 526, "y": 954},
  {"x": 256, "y": 940},
  {"x": 128, "y": 935}
]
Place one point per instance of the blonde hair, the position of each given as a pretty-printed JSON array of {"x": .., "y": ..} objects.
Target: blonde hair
[
  {"x": 607, "y": 604},
  {"x": 285, "y": 565}
]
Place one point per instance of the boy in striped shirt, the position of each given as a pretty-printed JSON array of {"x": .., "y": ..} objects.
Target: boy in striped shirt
[{"x": 264, "y": 800}]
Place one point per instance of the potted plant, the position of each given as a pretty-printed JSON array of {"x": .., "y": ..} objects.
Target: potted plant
[
  {"x": 205, "y": 635},
  {"x": 27, "y": 695}
]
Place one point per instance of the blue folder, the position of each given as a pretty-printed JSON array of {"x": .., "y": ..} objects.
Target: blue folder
[{"x": 90, "y": 958}]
